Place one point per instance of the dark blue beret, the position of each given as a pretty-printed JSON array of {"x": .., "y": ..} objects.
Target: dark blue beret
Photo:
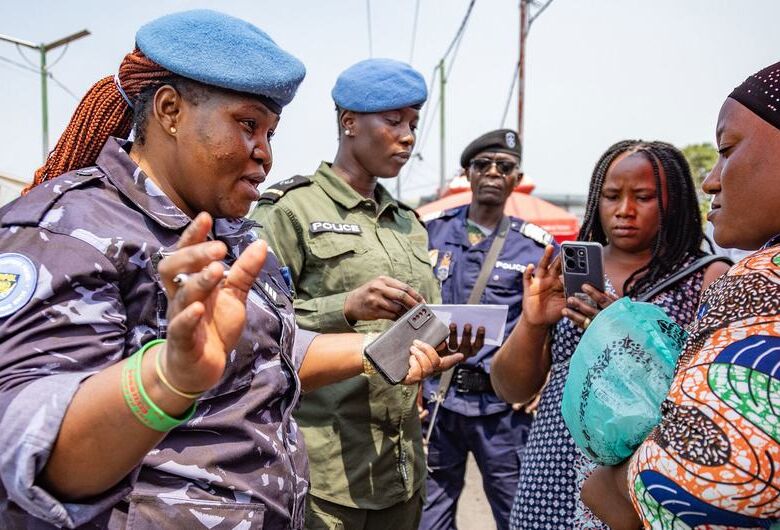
[
  {"x": 499, "y": 141},
  {"x": 223, "y": 51},
  {"x": 376, "y": 85}
]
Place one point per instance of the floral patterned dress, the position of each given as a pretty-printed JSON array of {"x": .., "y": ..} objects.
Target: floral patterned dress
[
  {"x": 553, "y": 468},
  {"x": 714, "y": 460}
]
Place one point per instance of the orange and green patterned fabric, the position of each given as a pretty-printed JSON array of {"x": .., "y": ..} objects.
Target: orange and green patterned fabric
[{"x": 714, "y": 460}]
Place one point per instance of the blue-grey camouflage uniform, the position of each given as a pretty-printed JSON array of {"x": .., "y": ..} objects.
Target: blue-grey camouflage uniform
[{"x": 79, "y": 291}]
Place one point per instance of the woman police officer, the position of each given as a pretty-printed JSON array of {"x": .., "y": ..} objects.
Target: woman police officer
[
  {"x": 337, "y": 231},
  {"x": 148, "y": 349}
]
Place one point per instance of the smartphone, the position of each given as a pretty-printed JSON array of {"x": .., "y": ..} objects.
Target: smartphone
[
  {"x": 389, "y": 352},
  {"x": 583, "y": 262}
]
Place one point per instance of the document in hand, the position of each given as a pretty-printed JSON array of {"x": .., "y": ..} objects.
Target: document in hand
[{"x": 492, "y": 317}]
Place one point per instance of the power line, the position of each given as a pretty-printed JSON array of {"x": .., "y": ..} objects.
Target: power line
[
  {"x": 517, "y": 66},
  {"x": 20, "y": 65},
  {"x": 62, "y": 86},
  {"x": 414, "y": 30},
  {"x": 454, "y": 46},
  {"x": 460, "y": 29},
  {"x": 370, "y": 36},
  {"x": 539, "y": 12},
  {"x": 509, "y": 95}
]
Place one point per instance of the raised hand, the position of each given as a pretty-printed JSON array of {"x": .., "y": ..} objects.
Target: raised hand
[
  {"x": 381, "y": 298},
  {"x": 543, "y": 298},
  {"x": 207, "y": 311}
]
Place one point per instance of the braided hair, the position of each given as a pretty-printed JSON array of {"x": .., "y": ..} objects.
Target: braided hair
[
  {"x": 679, "y": 232},
  {"x": 104, "y": 112}
]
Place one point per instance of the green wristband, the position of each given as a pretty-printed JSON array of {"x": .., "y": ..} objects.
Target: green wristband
[{"x": 142, "y": 407}]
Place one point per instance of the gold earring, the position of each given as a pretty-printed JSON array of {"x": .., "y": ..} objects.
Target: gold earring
[{"x": 173, "y": 130}]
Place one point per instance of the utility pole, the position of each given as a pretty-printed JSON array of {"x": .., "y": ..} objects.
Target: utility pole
[
  {"x": 521, "y": 68},
  {"x": 442, "y": 136},
  {"x": 43, "y": 49}
]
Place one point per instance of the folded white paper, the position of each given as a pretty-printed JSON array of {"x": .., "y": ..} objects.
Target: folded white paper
[{"x": 492, "y": 317}]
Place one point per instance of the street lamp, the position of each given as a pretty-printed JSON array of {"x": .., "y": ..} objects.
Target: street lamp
[{"x": 42, "y": 50}]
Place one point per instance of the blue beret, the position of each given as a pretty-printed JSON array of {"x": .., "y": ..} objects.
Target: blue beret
[
  {"x": 224, "y": 51},
  {"x": 376, "y": 85}
]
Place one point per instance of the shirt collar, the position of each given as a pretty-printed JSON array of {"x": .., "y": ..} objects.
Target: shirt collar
[
  {"x": 141, "y": 190},
  {"x": 341, "y": 192}
]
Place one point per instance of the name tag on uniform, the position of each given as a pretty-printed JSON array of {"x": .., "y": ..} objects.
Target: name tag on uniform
[
  {"x": 340, "y": 228},
  {"x": 510, "y": 266}
]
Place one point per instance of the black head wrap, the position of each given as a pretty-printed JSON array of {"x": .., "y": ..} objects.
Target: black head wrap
[{"x": 761, "y": 94}]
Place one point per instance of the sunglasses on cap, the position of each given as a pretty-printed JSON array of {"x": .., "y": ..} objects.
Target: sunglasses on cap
[{"x": 483, "y": 165}]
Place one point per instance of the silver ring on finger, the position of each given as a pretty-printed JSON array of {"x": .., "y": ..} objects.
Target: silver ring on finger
[{"x": 180, "y": 279}]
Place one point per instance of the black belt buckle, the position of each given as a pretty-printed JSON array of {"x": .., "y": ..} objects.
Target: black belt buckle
[{"x": 471, "y": 380}]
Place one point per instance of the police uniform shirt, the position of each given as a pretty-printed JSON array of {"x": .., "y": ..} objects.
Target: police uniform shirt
[
  {"x": 81, "y": 293},
  {"x": 457, "y": 264},
  {"x": 363, "y": 435}
]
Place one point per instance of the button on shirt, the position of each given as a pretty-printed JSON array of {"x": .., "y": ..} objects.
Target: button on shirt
[
  {"x": 363, "y": 435},
  {"x": 457, "y": 264},
  {"x": 93, "y": 239}
]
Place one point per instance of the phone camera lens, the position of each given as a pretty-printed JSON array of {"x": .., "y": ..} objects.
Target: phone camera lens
[{"x": 568, "y": 252}]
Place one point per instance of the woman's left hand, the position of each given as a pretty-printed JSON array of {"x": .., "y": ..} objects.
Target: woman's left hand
[
  {"x": 424, "y": 361},
  {"x": 583, "y": 313}
]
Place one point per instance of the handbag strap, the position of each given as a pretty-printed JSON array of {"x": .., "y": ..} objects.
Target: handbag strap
[
  {"x": 687, "y": 271},
  {"x": 490, "y": 261}
]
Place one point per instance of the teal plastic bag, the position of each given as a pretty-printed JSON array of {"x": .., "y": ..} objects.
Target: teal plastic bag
[{"x": 618, "y": 376}]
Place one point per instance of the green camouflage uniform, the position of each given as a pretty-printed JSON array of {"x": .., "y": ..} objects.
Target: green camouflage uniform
[{"x": 363, "y": 435}]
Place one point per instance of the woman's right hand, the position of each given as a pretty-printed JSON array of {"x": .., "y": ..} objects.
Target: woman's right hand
[
  {"x": 206, "y": 313},
  {"x": 543, "y": 298}
]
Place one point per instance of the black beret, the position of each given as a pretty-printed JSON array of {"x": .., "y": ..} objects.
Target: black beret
[{"x": 500, "y": 141}]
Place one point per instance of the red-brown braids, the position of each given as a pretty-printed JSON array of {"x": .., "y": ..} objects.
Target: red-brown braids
[{"x": 102, "y": 112}]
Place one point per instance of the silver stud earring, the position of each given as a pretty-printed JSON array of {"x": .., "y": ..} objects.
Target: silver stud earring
[{"x": 348, "y": 132}]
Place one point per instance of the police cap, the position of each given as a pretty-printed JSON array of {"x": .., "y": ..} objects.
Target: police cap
[
  {"x": 499, "y": 141},
  {"x": 217, "y": 49},
  {"x": 377, "y": 85}
]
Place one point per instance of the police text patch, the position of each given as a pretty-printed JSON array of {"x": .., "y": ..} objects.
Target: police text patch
[
  {"x": 510, "y": 266},
  {"x": 340, "y": 228},
  {"x": 18, "y": 278}
]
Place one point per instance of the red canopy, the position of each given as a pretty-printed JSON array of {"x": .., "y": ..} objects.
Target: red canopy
[{"x": 560, "y": 223}]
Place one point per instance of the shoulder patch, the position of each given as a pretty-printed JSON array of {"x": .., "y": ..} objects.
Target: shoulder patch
[
  {"x": 277, "y": 191},
  {"x": 18, "y": 279},
  {"x": 537, "y": 233}
]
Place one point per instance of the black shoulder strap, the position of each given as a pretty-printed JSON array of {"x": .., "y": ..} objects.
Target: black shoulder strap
[
  {"x": 687, "y": 271},
  {"x": 490, "y": 261},
  {"x": 277, "y": 191}
]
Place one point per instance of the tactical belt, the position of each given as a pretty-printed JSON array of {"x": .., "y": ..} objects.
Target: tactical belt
[{"x": 471, "y": 380}]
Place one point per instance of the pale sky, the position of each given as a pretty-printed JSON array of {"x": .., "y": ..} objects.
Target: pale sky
[{"x": 598, "y": 71}]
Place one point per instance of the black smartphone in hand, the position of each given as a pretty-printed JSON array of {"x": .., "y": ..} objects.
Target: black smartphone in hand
[{"x": 582, "y": 262}]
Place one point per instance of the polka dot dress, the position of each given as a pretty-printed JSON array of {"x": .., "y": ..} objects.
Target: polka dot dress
[{"x": 553, "y": 469}]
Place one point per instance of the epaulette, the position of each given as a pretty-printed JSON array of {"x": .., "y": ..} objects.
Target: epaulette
[
  {"x": 428, "y": 217},
  {"x": 277, "y": 191},
  {"x": 44, "y": 196},
  {"x": 537, "y": 233}
]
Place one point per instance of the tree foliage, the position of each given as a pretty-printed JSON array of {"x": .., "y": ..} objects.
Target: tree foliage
[{"x": 701, "y": 158}]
